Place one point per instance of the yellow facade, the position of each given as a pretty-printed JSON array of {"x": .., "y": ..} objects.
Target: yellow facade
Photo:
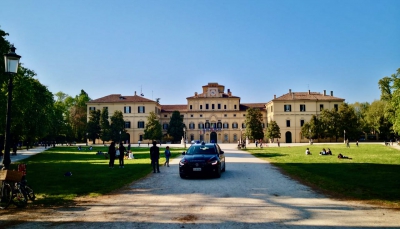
[{"x": 217, "y": 115}]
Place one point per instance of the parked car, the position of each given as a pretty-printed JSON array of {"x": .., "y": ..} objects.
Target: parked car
[{"x": 204, "y": 158}]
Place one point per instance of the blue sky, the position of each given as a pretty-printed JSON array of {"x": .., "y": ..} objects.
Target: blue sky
[{"x": 169, "y": 49}]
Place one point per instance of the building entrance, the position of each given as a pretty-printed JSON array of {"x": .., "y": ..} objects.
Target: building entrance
[
  {"x": 213, "y": 137},
  {"x": 288, "y": 137}
]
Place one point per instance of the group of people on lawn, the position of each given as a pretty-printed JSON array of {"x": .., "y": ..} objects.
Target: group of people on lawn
[{"x": 327, "y": 152}]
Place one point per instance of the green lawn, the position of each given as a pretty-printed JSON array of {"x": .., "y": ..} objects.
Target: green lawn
[
  {"x": 373, "y": 175},
  {"x": 90, "y": 173}
]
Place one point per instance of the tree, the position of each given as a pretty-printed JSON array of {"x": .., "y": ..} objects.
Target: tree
[
  {"x": 105, "y": 126},
  {"x": 152, "y": 130},
  {"x": 254, "y": 119},
  {"x": 78, "y": 115},
  {"x": 273, "y": 130},
  {"x": 347, "y": 122},
  {"x": 329, "y": 124},
  {"x": 117, "y": 130},
  {"x": 377, "y": 120},
  {"x": 361, "y": 110},
  {"x": 390, "y": 93},
  {"x": 175, "y": 127},
  {"x": 93, "y": 126}
]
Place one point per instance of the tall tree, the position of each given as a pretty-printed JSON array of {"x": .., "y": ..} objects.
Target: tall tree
[
  {"x": 175, "y": 127},
  {"x": 273, "y": 130},
  {"x": 78, "y": 115},
  {"x": 254, "y": 120},
  {"x": 94, "y": 128},
  {"x": 377, "y": 120},
  {"x": 347, "y": 122},
  {"x": 390, "y": 93},
  {"x": 152, "y": 130},
  {"x": 117, "y": 130},
  {"x": 329, "y": 124},
  {"x": 105, "y": 126}
]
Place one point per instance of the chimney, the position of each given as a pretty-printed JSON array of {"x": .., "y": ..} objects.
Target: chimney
[
  {"x": 331, "y": 93},
  {"x": 290, "y": 91},
  {"x": 309, "y": 92},
  {"x": 135, "y": 92},
  {"x": 229, "y": 93},
  {"x": 274, "y": 96},
  {"x": 195, "y": 94},
  {"x": 293, "y": 95},
  {"x": 324, "y": 92}
]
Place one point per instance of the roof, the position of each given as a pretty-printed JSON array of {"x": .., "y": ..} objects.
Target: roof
[
  {"x": 245, "y": 106},
  {"x": 172, "y": 108},
  {"x": 118, "y": 98},
  {"x": 307, "y": 96},
  {"x": 204, "y": 95}
]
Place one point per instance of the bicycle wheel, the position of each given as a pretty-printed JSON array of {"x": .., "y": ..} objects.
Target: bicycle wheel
[
  {"x": 6, "y": 195},
  {"x": 29, "y": 192},
  {"x": 18, "y": 198}
]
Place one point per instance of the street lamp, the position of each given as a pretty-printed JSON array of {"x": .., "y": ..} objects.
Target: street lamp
[
  {"x": 87, "y": 138},
  {"x": 184, "y": 137},
  {"x": 344, "y": 136},
  {"x": 11, "y": 61},
  {"x": 240, "y": 135}
]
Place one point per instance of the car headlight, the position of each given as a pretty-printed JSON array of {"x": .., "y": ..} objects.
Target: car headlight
[
  {"x": 183, "y": 162},
  {"x": 213, "y": 162}
]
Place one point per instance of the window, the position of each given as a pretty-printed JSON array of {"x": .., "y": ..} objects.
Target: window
[
  {"x": 191, "y": 126},
  {"x": 201, "y": 126},
  {"x": 219, "y": 124},
  {"x": 192, "y": 137},
  {"x": 234, "y": 115},
  {"x": 127, "y": 110},
  {"x": 105, "y": 108},
  {"x": 336, "y": 107},
  {"x": 182, "y": 116},
  {"x": 165, "y": 116},
  {"x": 219, "y": 106},
  {"x": 207, "y": 125},
  {"x": 301, "y": 122},
  {"x": 225, "y": 107},
  {"x": 226, "y": 125},
  {"x": 225, "y": 115},
  {"x": 235, "y": 107},
  {"x": 140, "y": 124},
  {"x": 272, "y": 108},
  {"x": 207, "y": 106},
  {"x": 225, "y": 137},
  {"x": 287, "y": 123},
  {"x": 321, "y": 107},
  {"x": 201, "y": 116},
  {"x": 190, "y": 107},
  {"x": 212, "y": 106},
  {"x": 235, "y": 125},
  {"x": 302, "y": 107},
  {"x": 235, "y": 138},
  {"x": 165, "y": 126},
  {"x": 244, "y": 115},
  {"x": 243, "y": 125},
  {"x": 92, "y": 108},
  {"x": 201, "y": 107},
  {"x": 191, "y": 116},
  {"x": 141, "y": 109},
  {"x": 127, "y": 125},
  {"x": 263, "y": 125},
  {"x": 287, "y": 108}
]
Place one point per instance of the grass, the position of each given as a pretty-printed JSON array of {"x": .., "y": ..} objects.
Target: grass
[
  {"x": 90, "y": 173},
  {"x": 373, "y": 175}
]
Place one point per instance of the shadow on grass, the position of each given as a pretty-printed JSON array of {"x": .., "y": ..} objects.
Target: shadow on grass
[{"x": 360, "y": 181}]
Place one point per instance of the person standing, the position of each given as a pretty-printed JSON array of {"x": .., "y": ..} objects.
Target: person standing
[
  {"x": 167, "y": 155},
  {"x": 121, "y": 155},
  {"x": 279, "y": 144},
  {"x": 155, "y": 156},
  {"x": 111, "y": 152}
]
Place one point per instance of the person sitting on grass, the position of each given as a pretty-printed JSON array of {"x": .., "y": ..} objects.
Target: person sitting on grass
[
  {"x": 329, "y": 152},
  {"x": 323, "y": 152},
  {"x": 308, "y": 152},
  {"x": 341, "y": 156}
]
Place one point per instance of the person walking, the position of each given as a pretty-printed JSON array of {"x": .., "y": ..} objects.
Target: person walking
[
  {"x": 111, "y": 152},
  {"x": 167, "y": 155},
  {"x": 155, "y": 156},
  {"x": 279, "y": 144},
  {"x": 121, "y": 155}
]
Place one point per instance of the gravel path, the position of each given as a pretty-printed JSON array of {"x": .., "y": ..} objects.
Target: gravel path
[{"x": 250, "y": 194}]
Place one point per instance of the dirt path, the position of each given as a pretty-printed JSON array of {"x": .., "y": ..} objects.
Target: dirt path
[{"x": 250, "y": 194}]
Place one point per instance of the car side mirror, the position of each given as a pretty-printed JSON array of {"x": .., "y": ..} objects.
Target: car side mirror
[
  {"x": 183, "y": 153},
  {"x": 221, "y": 152}
]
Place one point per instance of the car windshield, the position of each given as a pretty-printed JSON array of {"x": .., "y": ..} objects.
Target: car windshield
[{"x": 201, "y": 149}]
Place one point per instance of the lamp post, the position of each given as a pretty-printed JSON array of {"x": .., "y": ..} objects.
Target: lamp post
[
  {"x": 344, "y": 136},
  {"x": 119, "y": 137},
  {"x": 240, "y": 135},
  {"x": 11, "y": 61},
  {"x": 87, "y": 138},
  {"x": 184, "y": 137}
]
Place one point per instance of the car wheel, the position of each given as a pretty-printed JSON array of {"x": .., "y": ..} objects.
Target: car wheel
[
  {"x": 218, "y": 173},
  {"x": 223, "y": 170}
]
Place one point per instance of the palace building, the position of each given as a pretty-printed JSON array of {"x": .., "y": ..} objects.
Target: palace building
[{"x": 217, "y": 115}]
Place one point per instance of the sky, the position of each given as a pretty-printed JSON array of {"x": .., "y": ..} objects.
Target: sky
[{"x": 169, "y": 49}]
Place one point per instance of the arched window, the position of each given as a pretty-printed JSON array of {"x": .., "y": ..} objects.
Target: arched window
[
  {"x": 226, "y": 125},
  {"x": 219, "y": 125},
  {"x": 243, "y": 125},
  {"x": 207, "y": 125},
  {"x": 191, "y": 126},
  {"x": 201, "y": 125},
  {"x": 234, "y": 125},
  {"x": 165, "y": 126},
  {"x": 235, "y": 138}
]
